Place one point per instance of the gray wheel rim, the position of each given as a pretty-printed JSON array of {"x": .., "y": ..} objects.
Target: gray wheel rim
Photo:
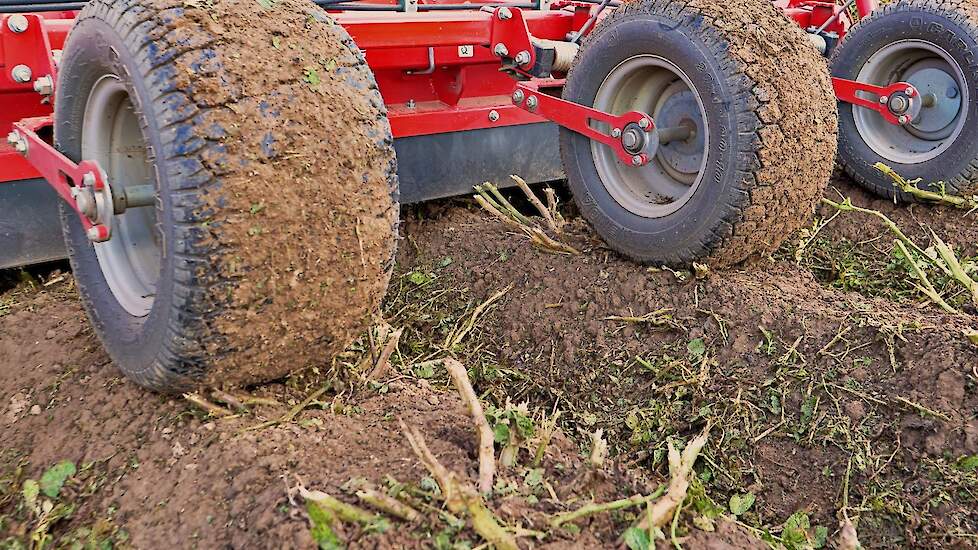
[
  {"x": 940, "y": 81},
  {"x": 111, "y": 135},
  {"x": 653, "y": 85}
]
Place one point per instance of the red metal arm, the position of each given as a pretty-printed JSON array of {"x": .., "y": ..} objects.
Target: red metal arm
[
  {"x": 576, "y": 117},
  {"x": 845, "y": 90},
  {"x": 58, "y": 170}
]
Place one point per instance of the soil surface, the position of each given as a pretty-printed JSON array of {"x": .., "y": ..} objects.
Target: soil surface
[{"x": 826, "y": 396}]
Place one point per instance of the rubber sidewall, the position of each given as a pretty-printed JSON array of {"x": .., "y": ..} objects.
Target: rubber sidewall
[{"x": 94, "y": 49}]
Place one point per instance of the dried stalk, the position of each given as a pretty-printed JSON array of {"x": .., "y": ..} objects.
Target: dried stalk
[
  {"x": 599, "y": 449},
  {"x": 383, "y": 364},
  {"x": 487, "y": 458},
  {"x": 596, "y": 508},
  {"x": 207, "y": 406},
  {"x": 680, "y": 471},
  {"x": 493, "y": 202},
  {"x": 387, "y": 504},
  {"x": 458, "y": 333},
  {"x": 954, "y": 265},
  {"x": 910, "y": 187},
  {"x": 547, "y": 430},
  {"x": 459, "y": 497},
  {"x": 927, "y": 289},
  {"x": 543, "y": 210},
  {"x": 342, "y": 511}
]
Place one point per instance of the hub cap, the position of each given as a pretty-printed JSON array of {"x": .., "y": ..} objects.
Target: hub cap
[
  {"x": 942, "y": 102},
  {"x": 130, "y": 260},
  {"x": 653, "y": 85}
]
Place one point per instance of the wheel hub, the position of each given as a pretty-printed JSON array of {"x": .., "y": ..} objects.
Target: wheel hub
[
  {"x": 676, "y": 148},
  {"x": 933, "y": 118}
]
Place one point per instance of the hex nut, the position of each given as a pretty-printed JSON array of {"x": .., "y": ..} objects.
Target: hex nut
[{"x": 17, "y": 23}]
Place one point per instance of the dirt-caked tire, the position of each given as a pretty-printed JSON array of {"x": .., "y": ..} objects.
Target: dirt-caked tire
[
  {"x": 760, "y": 129},
  {"x": 267, "y": 241},
  {"x": 932, "y": 44}
]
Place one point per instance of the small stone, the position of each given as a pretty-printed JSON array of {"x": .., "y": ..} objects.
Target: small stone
[
  {"x": 36, "y": 410},
  {"x": 433, "y": 399},
  {"x": 50, "y": 334}
]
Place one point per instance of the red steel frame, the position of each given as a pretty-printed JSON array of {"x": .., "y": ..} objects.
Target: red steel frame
[{"x": 436, "y": 70}]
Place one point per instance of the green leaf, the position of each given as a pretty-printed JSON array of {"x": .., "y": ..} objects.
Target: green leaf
[
  {"x": 696, "y": 348},
  {"x": 30, "y": 490},
  {"x": 501, "y": 433},
  {"x": 967, "y": 463},
  {"x": 419, "y": 278},
  {"x": 534, "y": 477},
  {"x": 637, "y": 539},
  {"x": 55, "y": 477},
  {"x": 446, "y": 261},
  {"x": 310, "y": 76},
  {"x": 821, "y": 536},
  {"x": 741, "y": 503},
  {"x": 322, "y": 526},
  {"x": 424, "y": 370}
]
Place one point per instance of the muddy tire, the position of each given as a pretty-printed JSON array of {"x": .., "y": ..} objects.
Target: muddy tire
[
  {"x": 932, "y": 44},
  {"x": 758, "y": 99},
  {"x": 270, "y": 241}
]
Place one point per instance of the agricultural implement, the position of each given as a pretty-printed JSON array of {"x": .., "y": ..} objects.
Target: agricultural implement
[{"x": 225, "y": 176}]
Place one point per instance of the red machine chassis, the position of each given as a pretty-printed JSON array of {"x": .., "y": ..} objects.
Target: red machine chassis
[{"x": 438, "y": 71}]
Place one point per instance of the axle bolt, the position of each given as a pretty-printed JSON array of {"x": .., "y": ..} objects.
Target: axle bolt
[
  {"x": 493, "y": 115},
  {"x": 637, "y": 160},
  {"x": 531, "y": 103},
  {"x": 88, "y": 180},
  {"x": 615, "y": 132},
  {"x": 522, "y": 58},
  {"x": 17, "y": 23},
  {"x": 518, "y": 97},
  {"x": 97, "y": 233},
  {"x": 21, "y": 73},
  {"x": 504, "y": 14},
  {"x": 643, "y": 123},
  {"x": 44, "y": 85},
  {"x": 500, "y": 50}
]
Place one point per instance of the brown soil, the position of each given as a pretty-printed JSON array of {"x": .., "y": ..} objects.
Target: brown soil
[{"x": 865, "y": 368}]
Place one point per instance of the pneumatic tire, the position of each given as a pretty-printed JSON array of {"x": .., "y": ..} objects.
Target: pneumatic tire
[
  {"x": 932, "y": 44},
  {"x": 270, "y": 242},
  {"x": 741, "y": 181}
]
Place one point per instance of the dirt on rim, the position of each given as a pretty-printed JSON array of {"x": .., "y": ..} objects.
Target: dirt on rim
[{"x": 827, "y": 396}]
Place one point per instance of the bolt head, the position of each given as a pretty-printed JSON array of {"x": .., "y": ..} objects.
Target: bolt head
[
  {"x": 904, "y": 119},
  {"x": 13, "y": 137},
  {"x": 500, "y": 50},
  {"x": 97, "y": 233},
  {"x": 44, "y": 85},
  {"x": 615, "y": 132},
  {"x": 629, "y": 139},
  {"x": 88, "y": 180},
  {"x": 911, "y": 92},
  {"x": 884, "y": 99},
  {"x": 21, "y": 73},
  {"x": 637, "y": 160},
  {"x": 522, "y": 58},
  {"x": 17, "y": 23},
  {"x": 951, "y": 92},
  {"x": 518, "y": 97},
  {"x": 504, "y": 13},
  {"x": 644, "y": 123},
  {"x": 531, "y": 102},
  {"x": 493, "y": 115}
]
